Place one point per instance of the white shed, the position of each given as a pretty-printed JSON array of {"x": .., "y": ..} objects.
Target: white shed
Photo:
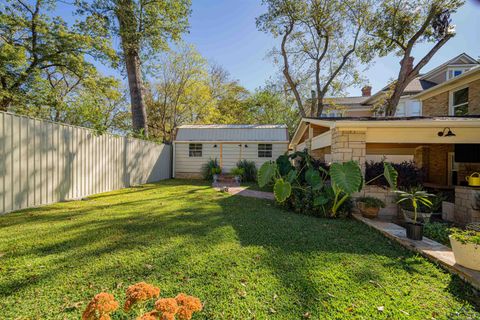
[{"x": 195, "y": 145}]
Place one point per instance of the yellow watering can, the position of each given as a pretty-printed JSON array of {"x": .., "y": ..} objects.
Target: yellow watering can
[{"x": 473, "y": 179}]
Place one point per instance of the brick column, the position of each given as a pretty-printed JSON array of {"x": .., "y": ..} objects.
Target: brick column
[{"x": 349, "y": 145}]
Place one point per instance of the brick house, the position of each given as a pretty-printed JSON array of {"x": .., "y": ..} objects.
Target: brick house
[
  {"x": 409, "y": 104},
  {"x": 444, "y": 139}
]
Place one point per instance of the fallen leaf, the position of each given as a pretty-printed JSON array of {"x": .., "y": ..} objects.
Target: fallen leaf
[
  {"x": 307, "y": 315},
  {"x": 271, "y": 310},
  {"x": 242, "y": 293},
  {"x": 380, "y": 308}
]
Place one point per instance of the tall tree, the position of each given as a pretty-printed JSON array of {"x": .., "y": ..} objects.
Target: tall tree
[
  {"x": 144, "y": 27},
  {"x": 402, "y": 24},
  {"x": 267, "y": 105},
  {"x": 321, "y": 43},
  {"x": 180, "y": 93},
  {"x": 35, "y": 47}
]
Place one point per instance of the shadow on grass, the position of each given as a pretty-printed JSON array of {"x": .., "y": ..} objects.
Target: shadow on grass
[{"x": 134, "y": 233}]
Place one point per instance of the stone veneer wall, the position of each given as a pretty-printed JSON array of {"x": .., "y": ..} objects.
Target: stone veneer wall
[
  {"x": 386, "y": 195},
  {"x": 319, "y": 154},
  {"x": 465, "y": 204},
  {"x": 349, "y": 145}
]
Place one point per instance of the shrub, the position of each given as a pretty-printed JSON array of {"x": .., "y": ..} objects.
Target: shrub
[
  {"x": 207, "y": 169},
  {"x": 437, "y": 231},
  {"x": 249, "y": 170},
  {"x": 237, "y": 172},
  {"x": 409, "y": 175},
  {"x": 371, "y": 202}
]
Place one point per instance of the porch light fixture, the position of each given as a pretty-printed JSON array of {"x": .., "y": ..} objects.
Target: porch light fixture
[
  {"x": 246, "y": 146},
  {"x": 448, "y": 134},
  {"x": 214, "y": 145}
]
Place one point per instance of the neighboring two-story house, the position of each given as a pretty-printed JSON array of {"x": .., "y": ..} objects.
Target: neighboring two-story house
[
  {"x": 437, "y": 125},
  {"x": 410, "y": 104}
]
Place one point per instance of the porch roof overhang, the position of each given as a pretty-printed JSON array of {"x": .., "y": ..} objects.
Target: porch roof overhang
[{"x": 395, "y": 130}]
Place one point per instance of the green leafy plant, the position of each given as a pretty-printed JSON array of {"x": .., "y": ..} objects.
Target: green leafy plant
[
  {"x": 389, "y": 174},
  {"x": 237, "y": 172},
  {"x": 250, "y": 170},
  {"x": 371, "y": 202},
  {"x": 466, "y": 236},
  {"x": 415, "y": 198},
  {"x": 207, "y": 169},
  {"x": 346, "y": 178},
  {"x": 315, "y": 188},
  {"x": 437, "y": 231},
  {"x": 216, "y": 170}
]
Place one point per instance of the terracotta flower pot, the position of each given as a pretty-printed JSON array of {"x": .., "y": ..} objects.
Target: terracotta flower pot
[
  {"x": 466, "y": 254},
  {"x": 368, "y": 212}
]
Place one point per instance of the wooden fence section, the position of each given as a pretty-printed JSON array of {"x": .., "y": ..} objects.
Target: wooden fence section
[{"x": 44, "y": 162}]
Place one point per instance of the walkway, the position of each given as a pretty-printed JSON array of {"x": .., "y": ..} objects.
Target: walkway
[
  {"x": 430, "y": 249},
  {"x": 245, "y": 192}
]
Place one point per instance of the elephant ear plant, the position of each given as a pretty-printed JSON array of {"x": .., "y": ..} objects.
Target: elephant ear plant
[{"x": 330, "y": 189}]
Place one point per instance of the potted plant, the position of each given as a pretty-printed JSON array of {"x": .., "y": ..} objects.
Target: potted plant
[
  {"x": 237, "y": 173},
  {"x": 369, "y": 206},
  {"x": 415, "y": 198},
  {"x": 423, "y": 212},
  {"x": 216, "y": 171},
  {"x": 466, "y": 246}
]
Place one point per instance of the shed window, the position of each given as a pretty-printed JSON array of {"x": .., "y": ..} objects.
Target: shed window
[
  {"x": 460, "y": 102},
  {"x": 264, "y": 150},
  {"x": 195, "y": 150}
]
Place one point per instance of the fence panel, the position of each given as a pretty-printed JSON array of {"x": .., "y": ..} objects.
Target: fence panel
[{"x": 43, "y": 162}]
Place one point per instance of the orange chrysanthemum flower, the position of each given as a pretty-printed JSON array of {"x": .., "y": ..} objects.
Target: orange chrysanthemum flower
[
  {"x": 167, "y": 305},
  {"x": 168, "y": 316},
  {"x": 189, "y": 302},
  {"x": 100, "y": 307},
  {"x": 183, "y": 313},
  {"x": 152, "y": 315},
  {"x": 140, "y": 292}
]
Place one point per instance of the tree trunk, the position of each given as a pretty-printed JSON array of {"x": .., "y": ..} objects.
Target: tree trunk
[
  {"x": 131, "y": 51},
  {"x": 135, "y": 84},
  {"x": 5, "y": 103}
]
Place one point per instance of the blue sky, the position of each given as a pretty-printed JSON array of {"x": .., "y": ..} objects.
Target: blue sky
[{"x": 224, "y": 31}]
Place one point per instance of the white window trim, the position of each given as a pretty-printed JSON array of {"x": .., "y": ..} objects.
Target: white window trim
[
  {"x": 450, "y": 99},
  {"x": 265, "y": 150},
  {"x": 196, "y": 150},
  {"x": 453, "y": 69}
]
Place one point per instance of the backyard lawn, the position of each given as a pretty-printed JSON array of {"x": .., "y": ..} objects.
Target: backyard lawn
[{"x": 244, "y": 258}]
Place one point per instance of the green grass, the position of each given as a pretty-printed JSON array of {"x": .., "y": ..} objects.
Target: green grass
[{"x": 244, "y": 258}]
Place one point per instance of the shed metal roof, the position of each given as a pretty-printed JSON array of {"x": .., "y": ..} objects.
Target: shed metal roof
[{"x": 232, "y": 133}]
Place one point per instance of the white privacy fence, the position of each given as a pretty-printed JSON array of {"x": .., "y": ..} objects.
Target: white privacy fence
[{"x": 44, "y": 162}]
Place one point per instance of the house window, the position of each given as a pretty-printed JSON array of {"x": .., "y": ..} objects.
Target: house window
[
  {"x": 400, "y": 110},
  {"x": 195, "y": 150},
  {"x": 264, "y": 150},
  {"x": 460, "y": 102}
]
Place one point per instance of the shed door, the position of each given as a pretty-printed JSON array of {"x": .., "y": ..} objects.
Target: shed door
[{"x": 231, "y": 153}]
